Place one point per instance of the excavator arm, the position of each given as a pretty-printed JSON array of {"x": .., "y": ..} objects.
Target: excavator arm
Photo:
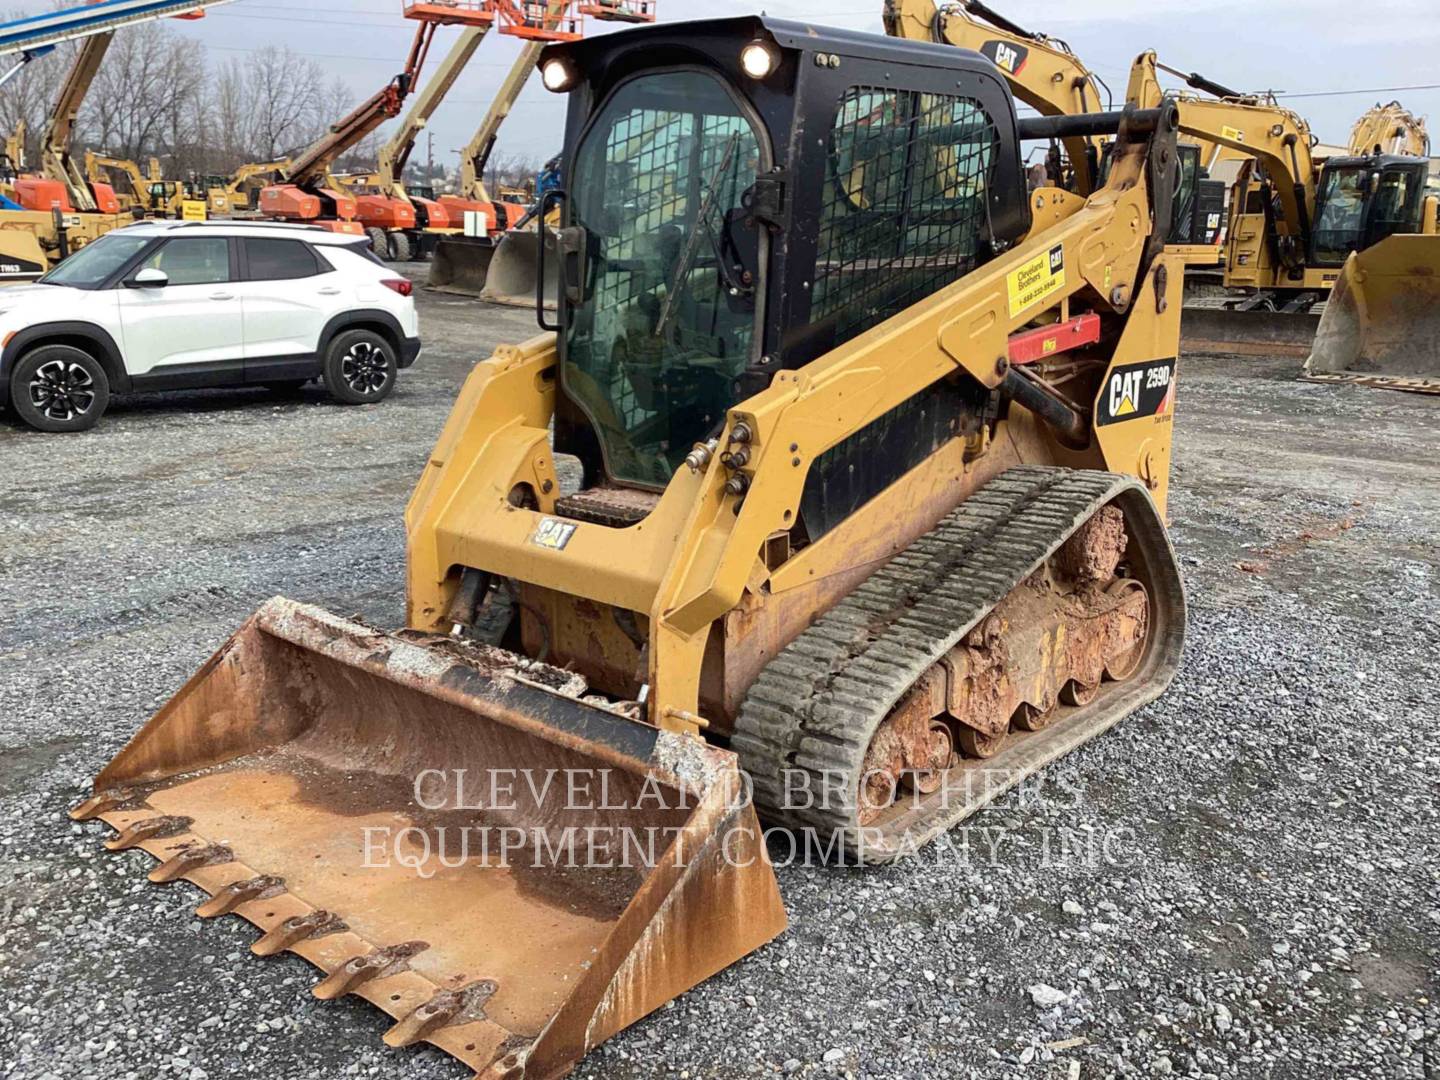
[
  {"x": 1042, "y": 71},
  {"x": 1145, "y": 92},
  {"x": 1389, "y": 129},
  {"x": 1279, "y": 141},
  {"x": 97, "y": 164}
]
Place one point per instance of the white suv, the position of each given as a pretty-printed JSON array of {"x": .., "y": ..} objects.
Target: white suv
[{"x": 180, "y": 305}]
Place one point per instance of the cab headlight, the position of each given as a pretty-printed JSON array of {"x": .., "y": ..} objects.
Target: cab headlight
[
  {"x": 559, "y": 75},
  {"x": 759, "y": 59}
]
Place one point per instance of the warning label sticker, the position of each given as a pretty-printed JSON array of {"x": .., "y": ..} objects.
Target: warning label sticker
[
  {"x": 1037, "y": 279},
  {"x": 1136, "y": 391}
]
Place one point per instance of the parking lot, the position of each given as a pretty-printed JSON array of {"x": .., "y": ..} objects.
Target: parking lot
[{"x": 1245, "y": 881}]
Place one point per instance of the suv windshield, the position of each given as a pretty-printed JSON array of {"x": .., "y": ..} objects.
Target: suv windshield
[
  {"x": 668, "y": 316},
  {"x": 94, "y": 264}
]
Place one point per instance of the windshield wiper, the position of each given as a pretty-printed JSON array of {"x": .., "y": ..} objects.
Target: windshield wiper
[{"x": 692, "y": 244}]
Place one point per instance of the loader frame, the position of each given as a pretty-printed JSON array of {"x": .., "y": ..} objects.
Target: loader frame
[{"x": 689, "y": 564}]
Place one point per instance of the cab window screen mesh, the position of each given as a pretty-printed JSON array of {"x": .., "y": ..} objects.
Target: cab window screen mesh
[
  {"x": 904, "y": 210},
  {"x": 653, "y": 350}
]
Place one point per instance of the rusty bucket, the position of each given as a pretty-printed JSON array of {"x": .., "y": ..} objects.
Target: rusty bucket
[{"x": 512, "y": 871}]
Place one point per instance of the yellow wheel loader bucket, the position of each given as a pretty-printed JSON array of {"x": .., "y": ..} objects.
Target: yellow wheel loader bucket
[
  {"x": 515, "y": 270},
  {"x": 1382, "y": 325},
  {"x": 461, "y": 264},
  {"x": 510, "y": 872},
  {"x": 506, "y": 272}
]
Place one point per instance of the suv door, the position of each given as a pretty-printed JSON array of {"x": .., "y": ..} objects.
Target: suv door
[
  {"x": 189, "y": 331},
  {"x": 288, "y": 294}
]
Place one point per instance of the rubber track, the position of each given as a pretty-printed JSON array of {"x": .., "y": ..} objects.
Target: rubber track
[{"x": 817, "y": 705}]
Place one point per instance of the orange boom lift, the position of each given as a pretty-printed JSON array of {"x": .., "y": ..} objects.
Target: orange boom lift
[{"x": 308, "y": 193}]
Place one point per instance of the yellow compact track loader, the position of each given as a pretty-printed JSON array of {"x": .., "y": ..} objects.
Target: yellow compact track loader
[{"x": 875, "y": 448}]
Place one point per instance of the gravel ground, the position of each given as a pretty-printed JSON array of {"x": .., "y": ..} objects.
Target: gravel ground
[{"x": 1241, "y": 881}]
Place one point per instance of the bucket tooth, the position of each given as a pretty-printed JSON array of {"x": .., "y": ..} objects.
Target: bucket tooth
[
  {"x": 380, "y": 964},
  {"x": 446, "y": 1009},
  {"x": 297, "y": 929},
  {"x": 193, "y": 858},
  {"x": 240, "y": 892},
  {"x": 156, "y": 828},
  {"x": 104, "y": 803}
]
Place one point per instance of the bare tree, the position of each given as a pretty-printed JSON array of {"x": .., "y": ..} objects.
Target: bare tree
[
  {"x": 287, "y": 101},
  {"x": 157, "y": 95}
]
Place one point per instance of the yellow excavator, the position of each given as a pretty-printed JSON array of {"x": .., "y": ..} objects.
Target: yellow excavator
[
  {"x": 135, "y": 191},
  {"x": 1381, "y": 326},
  {"x": 1389, "y": 129},
  {"x": 1045, "y": 74},
  {"x": 875, "y": 447},
  {"x": 1358, "y": 232},
  {"x": 242, "y": 189},
  {"x": 152, "y": 195},
  {"x": 15, "y": 156}
]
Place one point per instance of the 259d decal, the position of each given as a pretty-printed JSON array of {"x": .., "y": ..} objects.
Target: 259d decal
[{"x": 1136, "y": 391}]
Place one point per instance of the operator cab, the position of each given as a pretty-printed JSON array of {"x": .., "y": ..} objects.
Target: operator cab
[
  {"x": 1362, "y": 200},
  {"x": 744, "y": 196}
]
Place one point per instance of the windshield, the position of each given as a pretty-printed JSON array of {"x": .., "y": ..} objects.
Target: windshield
[
  {"x": 94, "y": 264},
  {"x": 1396, "y": 205},
  {"x": 668, "y": 316},
  {"x": 1340, "y": 223},
  {"x": 1182, "y": 225}
]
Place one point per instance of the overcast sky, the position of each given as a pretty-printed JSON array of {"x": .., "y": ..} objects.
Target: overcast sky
[{"x": 1301, "y": 47}]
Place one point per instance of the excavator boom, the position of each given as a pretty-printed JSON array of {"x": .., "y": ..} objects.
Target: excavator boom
[
  {"x": 1389, "y": 129},
  {"x": 1043, "y": 72}
]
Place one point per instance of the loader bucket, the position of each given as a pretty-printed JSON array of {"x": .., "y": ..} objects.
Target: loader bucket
[
  {"x": 1382, "y": 325},
  {"x": 516, "y": 267},
  {"x": 448, "y": 832},
  {"x": 1219, "y": 332},
  {"x": 461, "y": 264}
]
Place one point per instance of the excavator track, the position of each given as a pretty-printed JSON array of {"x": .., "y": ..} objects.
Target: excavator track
[{"x": 817, "y": 706}]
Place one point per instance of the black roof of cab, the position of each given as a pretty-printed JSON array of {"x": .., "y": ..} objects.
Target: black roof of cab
[{"x": 786, "y": 33}]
